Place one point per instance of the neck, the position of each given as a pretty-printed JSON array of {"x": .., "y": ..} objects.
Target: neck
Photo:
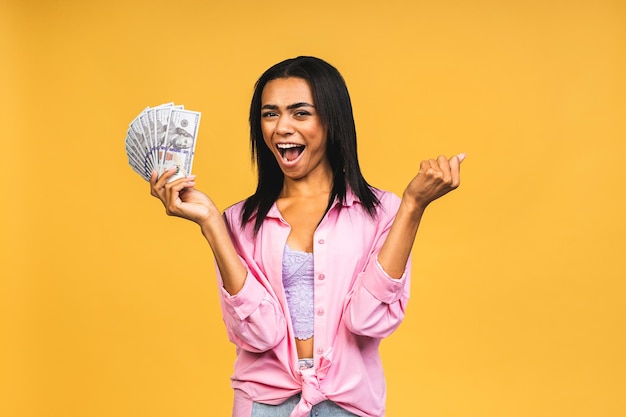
[{"x": 307, "y": 187}]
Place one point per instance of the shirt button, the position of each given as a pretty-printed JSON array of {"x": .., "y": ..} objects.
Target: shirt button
[
  {"x": 320, "y": 312},
  {"x": 321, "y": 276},
  {"x": 320, "y": 350},
  {"x": 321, "y": 241}
]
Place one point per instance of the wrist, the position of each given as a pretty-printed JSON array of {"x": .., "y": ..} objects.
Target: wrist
[
  {"x": 413, "y": 206},
  {"x": 211, "y": 223}
]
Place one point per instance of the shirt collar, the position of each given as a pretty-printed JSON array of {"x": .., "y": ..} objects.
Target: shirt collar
[{"x": 351, "y": 198}]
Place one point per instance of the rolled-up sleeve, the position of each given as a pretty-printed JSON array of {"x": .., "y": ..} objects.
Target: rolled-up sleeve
[
  {"x": 376, "y": 306},
  {"x": 254, "y": 320},
  {"x": 382, "y": 286}
]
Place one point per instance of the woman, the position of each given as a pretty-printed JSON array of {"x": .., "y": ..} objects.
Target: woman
[{"x": 314, "y": 267}]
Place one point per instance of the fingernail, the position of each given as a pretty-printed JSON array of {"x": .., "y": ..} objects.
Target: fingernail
[{"x": 461, "y": 156}]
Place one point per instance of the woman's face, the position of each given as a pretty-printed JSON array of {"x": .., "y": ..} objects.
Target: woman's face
[{"x": 292, "y": 128}]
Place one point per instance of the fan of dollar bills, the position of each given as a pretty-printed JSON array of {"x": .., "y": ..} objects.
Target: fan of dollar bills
[{"x": 162, "y": 137}]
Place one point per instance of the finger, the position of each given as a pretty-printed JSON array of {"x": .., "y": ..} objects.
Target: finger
[
  {"x": 153, "y": 180},
  {"x": 424, "y": 167},
  {"x": 444, "y": 166},
  {"x": 434, "y": 170},
  {"x": 461, "y": 156},
  {"x": 175, "y": 188},
  {"x": 166, "y": 175},
  {"x": 181, "y": 184},
  {"x": 162, "y": 181},
  {"x": 455, "y": 169}
]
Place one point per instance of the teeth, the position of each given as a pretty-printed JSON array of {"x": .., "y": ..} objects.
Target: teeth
[{"x": 290, "y": 150}]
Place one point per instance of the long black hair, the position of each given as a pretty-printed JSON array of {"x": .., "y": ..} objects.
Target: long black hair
[{"x": 332, "y": 102}]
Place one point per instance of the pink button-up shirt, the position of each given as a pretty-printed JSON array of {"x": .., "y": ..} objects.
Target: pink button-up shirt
[{"x": 356, "y": 305}]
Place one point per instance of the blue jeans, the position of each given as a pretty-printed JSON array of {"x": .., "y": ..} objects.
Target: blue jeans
[{"x": 324, "y": 409}]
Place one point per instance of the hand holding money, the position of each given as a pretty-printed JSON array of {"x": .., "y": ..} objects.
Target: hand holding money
[
  {"x": 163, "y": 137},
  {"x": 180, "y": 198}
]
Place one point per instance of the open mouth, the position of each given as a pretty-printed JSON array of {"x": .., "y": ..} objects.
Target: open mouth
[{"x": 290, "y": 151}]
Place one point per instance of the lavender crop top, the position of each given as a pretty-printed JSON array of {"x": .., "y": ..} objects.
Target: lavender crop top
[{"x": 298, "y": 284}]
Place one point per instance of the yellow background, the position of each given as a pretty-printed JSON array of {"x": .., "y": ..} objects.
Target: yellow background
[{"x": 109, "y": 308}]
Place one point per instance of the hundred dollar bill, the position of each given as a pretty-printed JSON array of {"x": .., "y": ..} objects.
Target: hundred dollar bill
[
  {"x": 132, "y": 159},
  {"x": 179, "y": 144},
  {"x": 157, "y": 141},
  {"x": 150, "y": 137},
  {"x": 159, "y": 117},
  {"x": 161, "y": 121},
  {"x": 132, "y": 151},
  {"x": 138, "y": 134},
  {"x": 136, "y": 151}
]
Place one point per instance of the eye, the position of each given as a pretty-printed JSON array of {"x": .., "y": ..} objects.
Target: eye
[
  {"x": 268, "y": 114},
  {"x": 302, "y": 113}
]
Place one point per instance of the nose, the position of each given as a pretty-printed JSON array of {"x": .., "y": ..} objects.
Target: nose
[{"x": 283, "y": 125}]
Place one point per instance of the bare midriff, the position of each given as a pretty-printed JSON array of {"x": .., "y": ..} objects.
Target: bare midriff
[{"x": 304, "y": 348}]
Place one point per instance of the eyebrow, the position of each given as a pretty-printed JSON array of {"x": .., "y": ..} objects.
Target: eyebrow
[{"x": 289, "y": 107}]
